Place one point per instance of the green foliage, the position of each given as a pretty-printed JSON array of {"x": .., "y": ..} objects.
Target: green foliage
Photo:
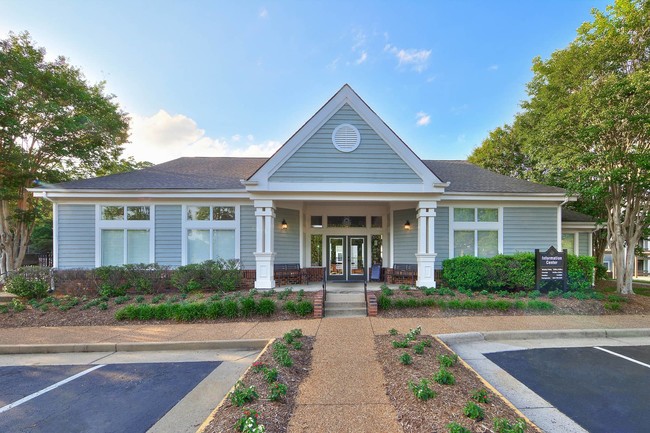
[
  {"x": 480, "y": 396},
  {"x": 266, "y": 307},
  {"x": 392, "y": 331},
  {"x": 421, "y": 390},
  {"x": 281, "y": 354},
  {"x": 612, "y": 306},
  {"x": 247, "y": 306},
  {"x": 271, "y": 375},
  {"x": 27, "y": 284},
  {"x": 242, "y": 394},
  {"x": 418, "y": 348},
  {"x": 247, "y": 423},
  {"x": 301, "y": 308},
  {"x": 209, "y": 275},
  {"x": 405, "y": 359},
  {"x": 444, "y": 377},
  {"x": 285, "y": 293},
  {"x": 383, "y": 302},
  {"x": 17, "y": 305},
  {"x": 457, "y": 428},
  {"x": 386, "y": 291},
  {"x": 448, "y": 360},
  {"x": 502, "y": 425},
  {"x": 277, "y": 390},
  {"x": 473, "y": 411}
]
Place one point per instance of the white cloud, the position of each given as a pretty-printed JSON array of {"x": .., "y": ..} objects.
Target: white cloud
[
  {"x": 362, "y": 58},
  {"x": 418, "y": 60},
  {"x": 493, "y": 68},
  {"x": 423, "y": 119},
  {"x": 264, "y": 13},
  {"x": 163, "y": 137}
]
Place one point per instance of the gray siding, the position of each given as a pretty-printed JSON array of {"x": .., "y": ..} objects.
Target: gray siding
[
  {"x": 168, "y": 235},
  {"x": 405, "y": 241},
  {"x": 247, "y": 234},
  {"x": 583, "y": 244},
  {"x": 76, "y": 235},
  {"x": 441, "y": 234},
  {"x": 287, "y": 242},
  {"x": 528, "y": 228},
  {"x": 319, "y": 161}
]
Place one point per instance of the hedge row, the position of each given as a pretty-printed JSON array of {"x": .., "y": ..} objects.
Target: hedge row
[
  {"x": 510, "y": 272},
  {"x": 228, "y": 308},
  {"x": 384, "y": 303}
]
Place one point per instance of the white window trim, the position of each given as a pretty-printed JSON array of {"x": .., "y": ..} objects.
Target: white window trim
[
  {"x": 124, "y": 224},
  {"x": 576, "y": 244},
  {"x": 210, "y": 225},
  {"x": 475, "y": 227}
]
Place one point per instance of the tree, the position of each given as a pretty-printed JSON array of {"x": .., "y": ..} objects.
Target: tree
[
  {"x": 588, "y": 119},
  {"x": 54, "y": 126}
]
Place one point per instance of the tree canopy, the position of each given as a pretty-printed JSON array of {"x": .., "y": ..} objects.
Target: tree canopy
[
  {"x": 54, "y": 126},
  {"x": 586, "y": 126}
]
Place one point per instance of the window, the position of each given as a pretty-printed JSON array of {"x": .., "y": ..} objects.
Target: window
[
  {"x": 316, "y": 250},
  {"x": 568, "y": 242},
  {"x": 476, "y": 232},
  {"x": 210, "y": 233},
  {"x": 346, "y": 221},
  {"x": 317, "y": 221},
  {"x": 124, "y": 235},
  {"x": 376, "y": 222}
]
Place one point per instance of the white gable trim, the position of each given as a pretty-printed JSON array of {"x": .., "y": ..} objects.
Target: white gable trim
[{"x": 260, "y": 180}]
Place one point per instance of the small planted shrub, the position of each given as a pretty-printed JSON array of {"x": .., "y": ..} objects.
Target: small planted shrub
[
  {"x": 230, "y": 308},
  {"x": 304, "y": 308},
  {"x": 502, "y": 425},
  {"x": 421, "y": 390},
  {"x": 480, "y": 396},
  {"x": 277, "y": 390},
  {"x": 383, "y": 302},
  {"x": 400, "y": 344},
  {"x": 26, "y": 287},
  {"x": 473, "y": 411},
  {"x": 266, "y": 307},
  {"x": 448, "y": 360},
  {"x": 247, "y": 306},
  {"x": 270, "y": 375},
  {"x": 247, "y": 423},
  {"x": 405, "y": 359},
  {"x": 285, "y": 293},
  {"x": 242, "y": 394},
  {"x": 444, "y": 377},
  {"x": 413, "y": 333},
  {"x": 392, "y": 331},
  {"x": 454, "y": 427},
  {"x": 210, "y": 275},
  {"x": 612, "y": 306},
  {"x": 418, "y": 348},
  {"x": 281, "y": 354}
]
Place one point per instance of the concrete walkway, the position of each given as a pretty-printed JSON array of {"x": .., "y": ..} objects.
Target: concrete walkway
[{"x": 344, "y": 391}]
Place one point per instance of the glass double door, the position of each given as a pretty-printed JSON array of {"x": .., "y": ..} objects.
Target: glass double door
[{"x": 346, "y": 258}]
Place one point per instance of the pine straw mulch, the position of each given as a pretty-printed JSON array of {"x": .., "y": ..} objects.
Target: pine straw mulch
[
  {"x": 273, "y": 415},
  {"x": 435, "y": 414},
  {"x": 78, "y": 315}
]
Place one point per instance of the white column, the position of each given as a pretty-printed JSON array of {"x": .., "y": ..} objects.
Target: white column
[
  {"x": 264, "y": 254},
  {"x": 426, "y": 256}
]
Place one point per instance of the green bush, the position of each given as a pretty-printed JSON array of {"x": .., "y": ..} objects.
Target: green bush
[
  {"x": 444, "y": 377},
  {"x": 27, "y": 285},
  {"x": 421, "y": 390},
  {"x": 510, "y": 272},
  {"x": 474, "y": 411},
  {"x": 210, "y": 275},
  {"x": 383, "y": 302},
  {"x": 247, "y": 306},
  {"x": 502, "y": 425},
  {"x": 304, "y": 308},
  {"x": 230, "y": 308},
  {"x": 454, "y": 427},
  {"x": 266, "y": 307}
]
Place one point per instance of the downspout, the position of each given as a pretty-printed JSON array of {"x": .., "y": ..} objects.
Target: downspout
[
  {"x": 559, "y": 223},
  {"x": 55, "y": 239}
]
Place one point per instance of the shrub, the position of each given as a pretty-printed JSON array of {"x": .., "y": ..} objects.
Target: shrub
[
  {"x": 266, "y": 307},
  {"x": 406, "y": 359},
  {"x": 465, "y": 272},
  {"x": 474, "y": 411},
  {"x": 539, "y": 305},
  {"x": 26, "y": 286},
  {"x": 247, "y": 306},
  {"x": 502, "y": 425},
  {"x": 392, "y": 331},
  {"x": 290, "y": 307},
  {"x": 612, "y": 306},
  {"x": 457, "y": 428},
  {"x": 444, "y": 377},
  {"x": 248, "y": 423},
  {"x": 448, "y": 360},
  {"x": 421, "y": 390},
  {"x": 111, "y": 291},
  {"x": 230, "y": 308},
  {"x": 383, "y": 302},
  {"x": 270, "y": 375},
  {"x": 242, "y": 394},
  {"x": 209, "y": 275},
  {"x": 418, "y": 348},
  {"x": 480, "y": 396},
  {"x": 281, "y": 354},
  {"x": 304, "y": 308},
  {"x": 277, "y": 390}
]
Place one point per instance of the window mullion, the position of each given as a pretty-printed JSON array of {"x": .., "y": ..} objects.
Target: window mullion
[{"x": 125, "y": 246}]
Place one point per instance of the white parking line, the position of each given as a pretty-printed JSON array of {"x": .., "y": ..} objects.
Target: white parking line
[
  {"x": 48, "y": 389},
  {"x": 623, "y": 356}
]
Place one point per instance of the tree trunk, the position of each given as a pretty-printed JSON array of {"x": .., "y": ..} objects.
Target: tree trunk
[{"x": 14, "y": 239}]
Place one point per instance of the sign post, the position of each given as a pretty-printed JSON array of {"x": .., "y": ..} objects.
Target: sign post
[{"x": 550, "y": 268}]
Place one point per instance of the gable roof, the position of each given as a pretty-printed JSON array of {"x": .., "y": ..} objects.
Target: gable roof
[
  {"x": 467, "y": 178},
  {"x": 571, "y": 216},
  {"x": 209, "y": 173},
  {"x": 260, "y": 179}
]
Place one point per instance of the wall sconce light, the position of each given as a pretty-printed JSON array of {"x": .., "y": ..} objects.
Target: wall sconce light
[
  {"x": 284, "y": 225},
  {"x": 407, "y": 225}
]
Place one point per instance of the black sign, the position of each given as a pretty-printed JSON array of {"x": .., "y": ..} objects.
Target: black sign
[{"x": 550, "y": 266}]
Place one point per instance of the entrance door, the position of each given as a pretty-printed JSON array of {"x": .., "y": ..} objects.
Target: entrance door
[{"x": 346, "y": 258}]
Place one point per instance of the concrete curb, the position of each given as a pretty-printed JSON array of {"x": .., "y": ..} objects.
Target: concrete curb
[
  {"x": 133, "y": 346},
  {"x": 467, "y": 337}
]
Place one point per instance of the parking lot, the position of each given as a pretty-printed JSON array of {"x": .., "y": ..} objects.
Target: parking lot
[
  {"x": 118, "y": 392},
  {"x": 603, "y": 389}
]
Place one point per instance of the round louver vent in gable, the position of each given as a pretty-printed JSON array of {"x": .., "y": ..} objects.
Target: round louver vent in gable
[{"x": 346, "y": 137}]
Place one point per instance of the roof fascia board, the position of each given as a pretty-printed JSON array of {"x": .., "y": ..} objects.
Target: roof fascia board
[
  {"x": 357, "y": 187},
  {"x": 100, "y": 194}
]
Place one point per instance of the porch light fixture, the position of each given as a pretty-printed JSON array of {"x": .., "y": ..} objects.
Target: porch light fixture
[
  {"x": 407, "y": 225},
  {"x": 284, "y": 225}
]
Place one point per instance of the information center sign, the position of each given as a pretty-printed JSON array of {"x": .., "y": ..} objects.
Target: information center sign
[{"x": 550, "y": 267}]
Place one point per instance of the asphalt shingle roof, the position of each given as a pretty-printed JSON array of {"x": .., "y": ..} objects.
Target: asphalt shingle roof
[
  {"x": 466, "y": 177},
  {"x": 571, "y": 216},
  {"x": 217, "y": 173}
]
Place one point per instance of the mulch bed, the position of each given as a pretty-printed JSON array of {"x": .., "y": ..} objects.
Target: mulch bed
[
  {"x": 633, "y": 304},
  {"x": 273, "y": 415},
  {"x": 94, "y": 316},
  {"x": 435, "y": 414}
]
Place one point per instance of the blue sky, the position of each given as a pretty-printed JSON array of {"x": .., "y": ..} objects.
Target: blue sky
[{"x": 238, "y": 78}]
